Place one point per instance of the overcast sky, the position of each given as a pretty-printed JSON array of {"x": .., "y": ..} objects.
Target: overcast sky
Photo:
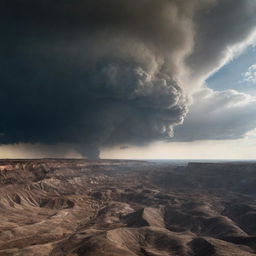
[{"x": 130, "y": 79}]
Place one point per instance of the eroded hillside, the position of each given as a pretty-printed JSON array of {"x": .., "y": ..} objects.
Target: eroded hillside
[{"x": 118, "y": 208}]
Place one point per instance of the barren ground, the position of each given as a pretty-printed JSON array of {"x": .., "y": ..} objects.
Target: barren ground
[{"x": 121, "y": 208}]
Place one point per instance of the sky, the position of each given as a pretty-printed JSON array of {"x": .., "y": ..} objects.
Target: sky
[
  {"x": 146, "y": 79},
  {"x": 238, "y": 74}
]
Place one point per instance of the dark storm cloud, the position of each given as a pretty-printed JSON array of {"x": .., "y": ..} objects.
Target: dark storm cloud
[
  {"x": 88, "y": 72},
  {"x": 96, "y": 73},
  {"x": 218, "y": 28}
]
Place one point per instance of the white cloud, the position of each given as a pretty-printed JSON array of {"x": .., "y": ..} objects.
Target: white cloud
[
  {"x": 218, "y": 116},
  {"x": 250, "y": 75}
]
